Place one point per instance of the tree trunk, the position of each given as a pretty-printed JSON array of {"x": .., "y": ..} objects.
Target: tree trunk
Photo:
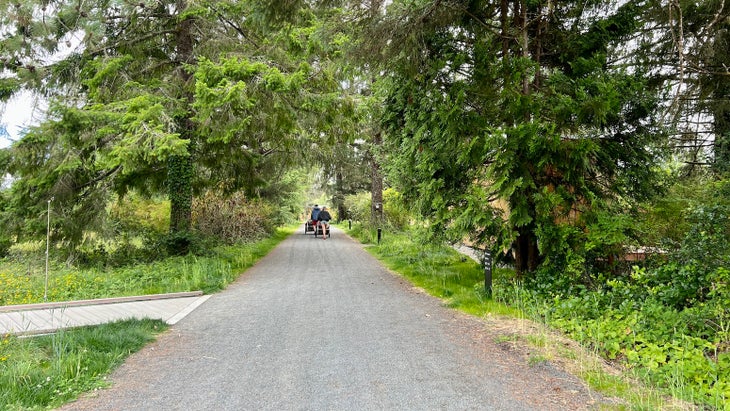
[
  {"x": 721, "y": 107},
  {"x": 376, "y": 192},
  {"x": 527, "y": 255},
  {"x": 180, "y": 168},
  {"x": 179, "y": 185},
  {"x": 339, "y": 197},
  {"x": 503, "y": 20}
]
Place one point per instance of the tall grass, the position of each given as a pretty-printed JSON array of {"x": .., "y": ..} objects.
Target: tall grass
[
  {"x": 48, "y": 371},
  {"x": 208, "y": 273}
]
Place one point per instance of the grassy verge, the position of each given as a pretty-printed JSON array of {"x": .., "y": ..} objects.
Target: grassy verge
[
  {"x": 441, "y": 271},
  {"x": 459, "y": 282},
  {"x": 190, "y": 273},
  {"x": 48, "y": 371}
]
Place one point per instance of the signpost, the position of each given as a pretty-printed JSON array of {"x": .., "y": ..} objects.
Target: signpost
[{"x": 488, "y": 262}]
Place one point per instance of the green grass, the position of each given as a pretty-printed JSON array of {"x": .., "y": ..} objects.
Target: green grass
[
  {"x": 48, "y": 371},
  {"x": 209, "y": 273},
  {"x": 441, "y": 271},
  {"x": 459, "y": 282}
]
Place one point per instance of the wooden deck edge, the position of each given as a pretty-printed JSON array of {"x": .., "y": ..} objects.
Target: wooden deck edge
[{"x": 98, "y": 301}]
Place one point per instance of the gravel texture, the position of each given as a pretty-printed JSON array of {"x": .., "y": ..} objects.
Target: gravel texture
[{"x": 321, "y": 325}]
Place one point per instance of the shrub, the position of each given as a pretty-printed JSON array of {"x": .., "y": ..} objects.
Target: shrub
[
  {"x": 134, "y": 216},
  {"x": 358, "y": 206},
  {"x": 5, "y": 244},
  {"x": 395, "y": 212},
  {"x": 233, "y": 218},
  {"x": 134, "y": 230}
]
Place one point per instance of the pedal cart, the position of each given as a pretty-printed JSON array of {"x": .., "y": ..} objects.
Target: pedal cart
[
  {"x": 318, "y": 228},
  {"x": 309, "y": 226}
]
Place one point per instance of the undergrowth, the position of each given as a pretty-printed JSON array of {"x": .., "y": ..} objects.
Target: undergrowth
[
  {"x": 48, "y": 371},
  {"x": 644, "y": 339},
  {"x": 209, "y": 273}
]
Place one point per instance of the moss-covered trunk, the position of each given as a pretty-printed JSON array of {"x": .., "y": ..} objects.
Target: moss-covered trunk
[{"x": 180, "y": 168}]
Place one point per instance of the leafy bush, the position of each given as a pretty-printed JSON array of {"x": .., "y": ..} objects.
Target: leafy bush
[
  {"x": 185, "y": 242},
  {"x": 358, "y": 206},
  {"x": 233, "y": 218},
  {"x": 395, "y": 212},
  {"x": 667, "y": 320},
  {"x": 134, "y": 232},
  {"x": 5, "y": 236},
  {"x": 695, "y": 271},
  {"x": 134, "y": 216},
  {"x": 664, "y": 346},
  {"x": 5, "y": 243}
]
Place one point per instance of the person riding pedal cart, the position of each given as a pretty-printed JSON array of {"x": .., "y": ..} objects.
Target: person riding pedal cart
[{"x": 323, "y": 220}]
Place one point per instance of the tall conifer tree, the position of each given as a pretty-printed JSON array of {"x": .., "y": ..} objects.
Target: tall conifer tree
[
  {"x": 159, "y": 96},
  {"x": 509, "y": 122}
]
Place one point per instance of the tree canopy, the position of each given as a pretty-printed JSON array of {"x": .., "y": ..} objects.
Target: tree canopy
[
  {"x": 508, "y": 122},
  {"x": 533, "y": 127},
  {"x": 161, "y": 96}
]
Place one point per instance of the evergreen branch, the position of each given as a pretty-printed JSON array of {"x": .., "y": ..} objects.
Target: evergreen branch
[
  {"x": 137, "y": 40},
  {"x": 234, "y": 26},
  {"x": 101, "y": 177}
]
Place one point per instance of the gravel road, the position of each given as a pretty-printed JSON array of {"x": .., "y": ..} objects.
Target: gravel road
[{"x": 321, "y": 325}]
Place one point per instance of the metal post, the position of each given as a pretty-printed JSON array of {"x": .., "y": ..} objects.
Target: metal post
[
  {"x": 380, "y": 233},
  {"x": 48, "y": 241},
  {"x": 487, "y": 272},
  {"x": 349, "y": 224}
]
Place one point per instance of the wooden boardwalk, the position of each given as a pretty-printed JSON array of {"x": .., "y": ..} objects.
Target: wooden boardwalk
[{"x": 49, "y": 317}]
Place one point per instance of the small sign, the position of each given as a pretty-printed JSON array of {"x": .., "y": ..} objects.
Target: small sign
[{"x": 487, "y": 263}]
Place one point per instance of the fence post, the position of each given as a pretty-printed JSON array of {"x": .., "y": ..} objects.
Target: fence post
[{"x": 48, "y": 241}]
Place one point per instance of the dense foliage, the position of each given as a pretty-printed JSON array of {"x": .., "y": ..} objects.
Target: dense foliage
[
  {"x": 159, "y": 97},
  {"x": 527, "y": 141},
  {"x": 539, "y": 130},
  {"x": 396, "y": 214}
]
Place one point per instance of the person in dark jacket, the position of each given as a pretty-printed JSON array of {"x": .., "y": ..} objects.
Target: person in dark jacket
[{"x": 324, "y": 218}]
